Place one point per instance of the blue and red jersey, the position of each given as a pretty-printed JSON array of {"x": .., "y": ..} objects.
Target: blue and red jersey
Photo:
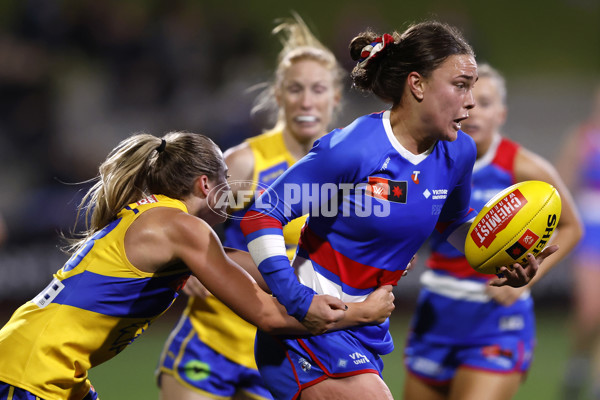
[{"x": 372, "y": 204}]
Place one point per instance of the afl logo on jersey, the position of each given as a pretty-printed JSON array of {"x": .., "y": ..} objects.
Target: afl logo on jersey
[{"x": 385, "y": 189}]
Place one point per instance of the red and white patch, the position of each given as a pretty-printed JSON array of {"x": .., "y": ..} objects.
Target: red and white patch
[
  {"x": 498, "y": 218},
  {"x": 148, "y": 200},
  {"x": 528, "y": 239}
]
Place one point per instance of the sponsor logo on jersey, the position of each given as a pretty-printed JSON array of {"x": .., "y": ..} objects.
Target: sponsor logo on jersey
[
  {"x": 498, "y": 218},
  {"x": 304, "y": 364},
  {"x": 415, "y": 176},
  {"x": 359, "y": 358},
  {"x": 386, "y": 189},
  {"x": 439, "y": 194}
]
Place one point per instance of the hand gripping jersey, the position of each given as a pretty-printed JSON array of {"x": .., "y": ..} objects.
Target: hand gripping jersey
[
  {"x": 372, "y": 204},
  {"x": 216, "y": 325},
  {"x": 95, "y": 306}
]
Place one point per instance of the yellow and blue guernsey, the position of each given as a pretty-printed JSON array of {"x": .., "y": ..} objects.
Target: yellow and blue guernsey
[
  {"x": 215, "y": 324},
  {"x": 95, "y": 306}
]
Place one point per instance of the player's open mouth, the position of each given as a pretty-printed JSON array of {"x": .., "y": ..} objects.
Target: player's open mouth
[{"x": 457, "y": 122}]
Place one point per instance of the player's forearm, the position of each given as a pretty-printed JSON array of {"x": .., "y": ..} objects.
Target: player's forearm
[
  {"x": 360, "y": 314},
  {"x": 566, "y": 238},
  {"x": 244, "y": 260}
]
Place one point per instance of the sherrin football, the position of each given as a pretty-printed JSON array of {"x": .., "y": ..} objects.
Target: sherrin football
[{"x": 518, "y": 220}]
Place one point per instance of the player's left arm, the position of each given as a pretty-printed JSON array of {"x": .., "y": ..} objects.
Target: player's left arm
[{"x": 530, "y": 166}]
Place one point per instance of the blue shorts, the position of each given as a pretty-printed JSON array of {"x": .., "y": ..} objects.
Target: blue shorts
[
  {"x": 290, "y": 365},
  {"x": 437, "y": 364},
  {"x": 9, "y": 392},
  {"x": 447, "y": 334},
  {"x": 198, "y": 367}
]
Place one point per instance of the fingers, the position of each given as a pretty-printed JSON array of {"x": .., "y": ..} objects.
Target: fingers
[
  {"x": 324, "y": 312},
  {"x": 517, "y": 275},
  {"x": 335, "y": 303},
  {"x": 547, "y": 252}
]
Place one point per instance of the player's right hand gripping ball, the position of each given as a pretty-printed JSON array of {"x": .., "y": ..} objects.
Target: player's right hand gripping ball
[{"x": 518, "y": 220}]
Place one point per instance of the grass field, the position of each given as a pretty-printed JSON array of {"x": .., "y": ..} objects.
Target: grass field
[{"x": 130, "y": 375}]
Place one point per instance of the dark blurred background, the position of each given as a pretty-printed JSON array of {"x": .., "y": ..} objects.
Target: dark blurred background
[{"x": 78, "y": 76}]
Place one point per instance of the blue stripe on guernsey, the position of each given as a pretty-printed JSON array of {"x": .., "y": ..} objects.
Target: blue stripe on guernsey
[
  {"x": 266, "y": 231},
  {"x": 84, "y": 250},
  {"x": 119, "y": 297},
  {"x": 333, "y": 277}
]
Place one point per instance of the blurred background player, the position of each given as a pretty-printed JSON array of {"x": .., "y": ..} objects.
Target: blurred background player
[
  {"x": 305, "y": 92},
  {"x": 580, "y": 167},
  {"x": 469, "y": 340}
]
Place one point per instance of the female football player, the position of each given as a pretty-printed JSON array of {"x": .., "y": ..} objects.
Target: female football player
[{"x": 470, "y": 340}]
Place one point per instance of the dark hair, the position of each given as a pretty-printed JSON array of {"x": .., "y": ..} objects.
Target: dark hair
[
  {"x": 421, "y": 48},
  {"x": 144, "y": 164}
]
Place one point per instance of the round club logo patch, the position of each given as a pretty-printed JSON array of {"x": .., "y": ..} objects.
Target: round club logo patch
[{"x": 197, "y": 370}]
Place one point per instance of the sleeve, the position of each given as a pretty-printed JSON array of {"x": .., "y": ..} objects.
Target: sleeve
[
  {"x": 295, "y": 193},
  {"x": 457, "y": 210}
]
